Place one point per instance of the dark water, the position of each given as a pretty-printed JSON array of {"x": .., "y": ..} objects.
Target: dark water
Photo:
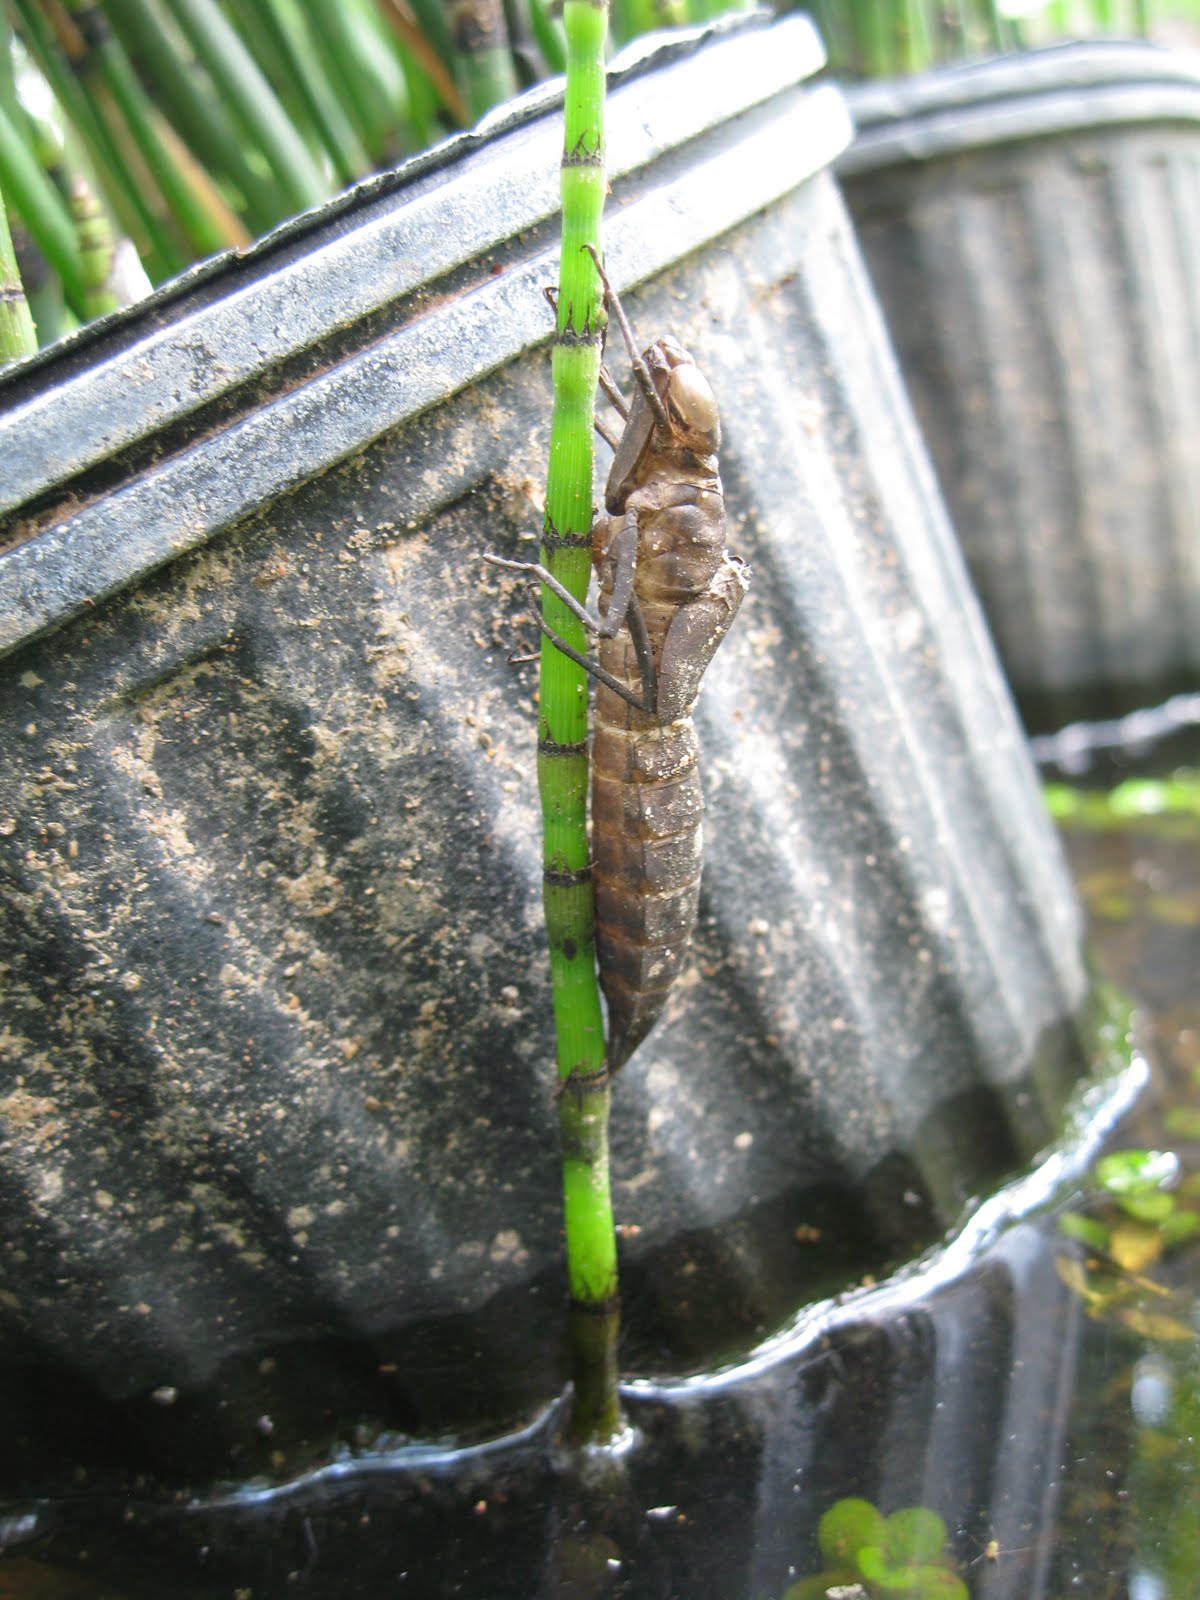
[{"x": 1045, "y": 1404}]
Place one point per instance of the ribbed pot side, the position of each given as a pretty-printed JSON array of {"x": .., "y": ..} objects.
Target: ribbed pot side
[
  {"x": 277, "y": 1026},
  {"x": 1030, "y": 225}
]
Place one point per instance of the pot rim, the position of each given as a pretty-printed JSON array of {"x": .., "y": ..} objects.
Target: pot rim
[{"x": 1066, "y": 88}]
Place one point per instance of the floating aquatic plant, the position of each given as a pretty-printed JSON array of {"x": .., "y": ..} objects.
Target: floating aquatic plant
[
  {"x": 901, "y": 1556},
  {"x": 1142, "y": 1207},
  {"x": 1131, "y": 804}
]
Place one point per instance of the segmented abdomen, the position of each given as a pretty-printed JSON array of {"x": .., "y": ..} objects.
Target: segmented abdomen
[{"x": 646, "y": 852}]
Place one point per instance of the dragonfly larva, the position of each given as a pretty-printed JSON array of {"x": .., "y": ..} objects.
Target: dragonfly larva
[{"x": 669, "y": 591}]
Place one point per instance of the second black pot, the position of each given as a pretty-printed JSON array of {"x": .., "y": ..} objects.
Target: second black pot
[{"x": 1031, "y": 227}]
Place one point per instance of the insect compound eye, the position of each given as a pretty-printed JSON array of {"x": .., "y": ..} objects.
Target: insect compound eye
[{"x": 693, "y": 408}]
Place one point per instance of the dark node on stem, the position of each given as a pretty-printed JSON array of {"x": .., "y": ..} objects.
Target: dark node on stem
[
  {"x": 569, "y": 949},
  {"x": 558, "y": 863},
  {"x": 572, "y": 338},
  {"x": 551, "y": 747},
  {"x": 593, "y": 1327},
  {"x": 93, "y": 27},
  {"x": 607, "y": 1307},
  {"x": 476, "y": 25},
  {"x": 578, "y": 1084},
  {"x": 581, "y": 156},
  {"x": 565, "y": 878},
  {"x": 553, "y": 540}
]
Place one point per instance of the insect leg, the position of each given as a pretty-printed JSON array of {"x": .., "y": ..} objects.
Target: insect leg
[
  {"x": 611, "y": 439},
  {"x": 640, "y": 370},
  {"x": 619, "y": 402},
  {"x": 592, "y": 668},
  {"x": 623, "y": 610},
  {"x": 624, "y": 550},
  {"x": 546, "y": 577},
  {"x": 644, "y": 651}
]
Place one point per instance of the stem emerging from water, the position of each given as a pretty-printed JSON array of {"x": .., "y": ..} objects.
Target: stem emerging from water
[{"x": 583, "y": 1088}]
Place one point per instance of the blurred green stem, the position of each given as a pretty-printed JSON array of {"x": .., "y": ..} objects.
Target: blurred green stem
[
  {"x": 251, "y": 101},
  {"x": 370, "y": 80},
  {"x": 42, "y": 209},
  {"x": 548, "y": 35},
  {"x": 323, "y": 108},
  {"x": 485, "y": 66},
  {"x": 59, "y": 57},
  {"x": 161, "y": 50},
  {"x": 17, "y": 336},
  {"x": 96, "y": 247},
  {"x": 426, "y": 50},
  {"x": 104, "y": 62}
]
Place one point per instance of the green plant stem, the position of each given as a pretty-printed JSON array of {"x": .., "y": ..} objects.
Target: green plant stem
[
  {"x": 583, "y": 1084},
  {"x": 17, "y": 336},
  {"x": 548, "y": 35},
  {"x": 150, "y": 35},
  {"x": 485, "y": 66},
  {"x": 321, "y": 105},
  {"x": 59, "y": 58},
  {"x": 42, "y": 209},
  {"x": 104, "y": 60},
  {"x": 884, "y": 38},
  {"x": 96, "y": 246},
  {"x": 52, "y": 317},
  {"x": 373, "y": 89},
  {"x": 426, "y": 97},
  {"x": 426, "y": 65},
  {"x": 631, "y": 17},
  {"x": 251, "y": 101}
]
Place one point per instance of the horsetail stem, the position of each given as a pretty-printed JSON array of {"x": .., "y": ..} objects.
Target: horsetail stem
[
  {"x": 177, "y": 79},
  {"x": 42, "y": 209},
  {"x": 562, "y": 750},
  {"x": 148, "y": 138},
  {"x": 96, "y": 249},
  {"x": 284, "y": 42},
  {"x": 251, "y": 100},
  {"x": 485, "y": 64},
  {"x": 17, "y": 337}
]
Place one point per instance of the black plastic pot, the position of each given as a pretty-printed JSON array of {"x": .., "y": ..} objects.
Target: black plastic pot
[
  {"x": 1030, "y": 225},
  {"x": 277, "y": 1024}
]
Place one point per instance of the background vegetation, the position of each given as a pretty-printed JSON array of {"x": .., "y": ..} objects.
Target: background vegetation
[{"x": 137, "y": 136}]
